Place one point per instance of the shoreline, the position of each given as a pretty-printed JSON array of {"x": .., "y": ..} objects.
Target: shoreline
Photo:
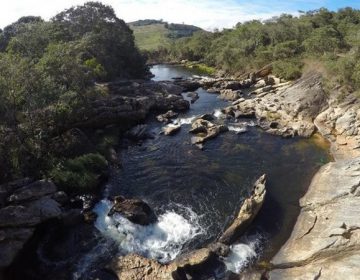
[{"x": 324, "y": 241}]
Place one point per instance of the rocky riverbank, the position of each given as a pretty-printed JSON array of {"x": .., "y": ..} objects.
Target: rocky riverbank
[{"x": 324, "y": 242}]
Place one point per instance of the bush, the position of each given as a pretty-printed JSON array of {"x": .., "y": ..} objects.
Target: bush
[
  {"x": 81, "y": 174},
  {"x": 288, "y": 69}
]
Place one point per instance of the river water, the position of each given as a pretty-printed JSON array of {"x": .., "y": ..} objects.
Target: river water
[{"x": 195, "y": 194}]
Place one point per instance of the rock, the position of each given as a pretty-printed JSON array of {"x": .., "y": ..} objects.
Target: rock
[
  {"x": 232, "y": 85},
  {"x": 219, "y": 249},
  {"x": 135, "y": 210},
  {"x": 194, "y": 96},
  {"x": 247, "y": 213},
  {"x": 166, "y": 118},
  {"x": 90, "y": 217},
  {"x": 265, "y": 71},
  {"x": 135, "y": 267},
  {"x": 230, "y": 95},
  {"x": 326, "y": 238},
  {"x": 171, "y": 129},
  {"x": 60, "y": 197},
  {"x": 33, "y": 191},
  {"x": 207, "y": 117},
  {"x": 205, "y": 130},
  {"x": 238, "y": 101},
  {"x": 138, "y": 132},
  {"x": 12, "y": 241},
  {"x": 293, "y": 107},
  {"x": 7, "y": 189},
  {"x": 262, "y": 90},
  {"x": 188, "y": 85}
]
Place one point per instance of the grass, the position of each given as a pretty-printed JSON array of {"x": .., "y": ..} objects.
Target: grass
[{"x": 151, "y": 37}]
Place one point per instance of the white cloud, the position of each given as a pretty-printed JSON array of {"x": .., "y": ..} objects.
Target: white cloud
[{"x": 208, "y": 14}]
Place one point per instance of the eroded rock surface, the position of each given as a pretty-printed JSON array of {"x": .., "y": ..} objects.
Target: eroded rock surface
[
  {"x": 247, "y": 213},
  {"x": 135, "y": 210},
  {"x": 325, "y": 242},
  {"x": 285, "y": 109},
  {"x": 25, "y": 205}
]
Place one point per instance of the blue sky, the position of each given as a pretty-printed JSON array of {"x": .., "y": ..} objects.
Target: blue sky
[{"x": 208, "y": 14}]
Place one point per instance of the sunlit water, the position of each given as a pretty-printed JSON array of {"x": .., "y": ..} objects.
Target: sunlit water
[{"x": 196, "y": 193}]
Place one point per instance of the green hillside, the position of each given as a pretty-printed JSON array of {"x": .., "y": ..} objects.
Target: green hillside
[{"x": 151, "y": 34}]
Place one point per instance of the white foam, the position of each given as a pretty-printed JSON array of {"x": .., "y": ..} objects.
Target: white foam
[
  {"x": 237, "y": 129},
  {"x": 242, "y": 254},
  {"x": 218, "y": 114},
  {"x": 182, "y": 121},
  {"x": 163, "y": 240}
]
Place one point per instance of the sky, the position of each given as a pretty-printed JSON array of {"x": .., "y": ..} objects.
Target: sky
[{"x": 207, "y": 14}]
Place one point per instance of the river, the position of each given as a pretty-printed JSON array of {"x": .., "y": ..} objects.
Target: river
[{"x": 196, "y": 193}]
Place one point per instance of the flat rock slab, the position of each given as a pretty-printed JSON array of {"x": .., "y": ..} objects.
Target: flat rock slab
[{"x": 326, "y": 238}]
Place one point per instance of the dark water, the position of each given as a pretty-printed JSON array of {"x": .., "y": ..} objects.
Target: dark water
[
  {"x": 206, "y": 187},
  {"x": 166, "y": 171}
]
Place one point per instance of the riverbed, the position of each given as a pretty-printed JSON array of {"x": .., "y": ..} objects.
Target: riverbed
[{"x": 195, "y": 194}]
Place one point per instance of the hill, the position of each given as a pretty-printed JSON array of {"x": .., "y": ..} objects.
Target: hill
[{"x": 151, "y": 34}]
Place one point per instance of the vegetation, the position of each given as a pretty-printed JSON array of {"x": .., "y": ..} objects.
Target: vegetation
[
  {"x": 331, "y": 38},
  {"x": 48, "y": 70},
  {"x": 153, "y": 34}
]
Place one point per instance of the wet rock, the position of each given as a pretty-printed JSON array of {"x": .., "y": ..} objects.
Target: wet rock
[
  {"x": 194, "y": 96},
  {"x": 220, "y": 249},
  {"x": 207, "y": 117},
  {"x": 33, "y": 191},
  {"x": 135, "y": 210},
  {"x": 166, "y": 118},
  {"x": 188, "y": 85},
  {"x": 205, "y": 130},
  {"x": 247, "y": 213},
  {"x": 171, "y": 129}
]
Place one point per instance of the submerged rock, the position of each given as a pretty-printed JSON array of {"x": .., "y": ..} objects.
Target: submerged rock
[
  {"x": 139, "y": 132},
  {"x": 247, "y": 213},
  {"x": 194, "y": 96},
  {"x": 135, "y": 210}
]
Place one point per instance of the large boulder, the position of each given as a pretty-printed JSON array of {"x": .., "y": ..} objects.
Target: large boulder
[
  {"x": 293, "y": 107},
  {"x": 205, "y": 130},
  {"x": 247, "y": 213},
  {"x": 33, "y": 191},
  {"x": 325, "y": 242},
  {"x": 135, "y": 210},
  {"x": 28, "y": 204}
]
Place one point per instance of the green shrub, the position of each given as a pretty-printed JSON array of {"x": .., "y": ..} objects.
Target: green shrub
[
  {"x": 288, "y": 69},
  {"x": 81, "y": 174}
]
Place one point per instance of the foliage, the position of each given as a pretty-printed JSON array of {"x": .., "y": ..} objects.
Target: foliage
[
  {"x": 333, "y": 38},
  {"x": 289, "y": 69},
  {"x": 81, "y": 174},
  {"x": 48, "y": 71}
]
